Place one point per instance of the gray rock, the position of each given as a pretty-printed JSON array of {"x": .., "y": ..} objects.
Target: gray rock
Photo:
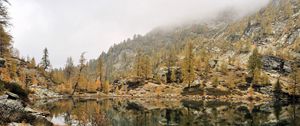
[
  {"x": 253, "y": 27},
  {"x": 293, "y": 36},
  {"x": 12, "y": 96},
  {"x": 276, "y": 64},
  {"x": 2, "y": 97},
  {"x": 14, "y": 111},
  {"x": 266, "y": 90},
  {"x": 213, "y": 63},
  {"x": 233, "y": 38}
]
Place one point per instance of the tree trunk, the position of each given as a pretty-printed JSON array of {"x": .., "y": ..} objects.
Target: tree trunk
[{"x": 77, "y": 81}]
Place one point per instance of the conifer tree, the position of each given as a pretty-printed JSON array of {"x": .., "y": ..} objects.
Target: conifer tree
[
  {"x": 146, "y": 63},
  {"x": 81, "y": 66},
  {"x": 277, "y": 89},
  {"x": 69, "y": 68},
  {"x": 188, "y": 64},
  {"x": 45, "y": 63},
  {"x": 32, "y": 62},
  {"x": 250, "y": 92},
  {"x": 295, "y": 75},
  {"x": 5, "y": 38},
  {"x": 142, "y": 65},
  {"x": 174, "y": 76},
  {"x": 100, "y": 70},
  {"x": 255, "y": 65},
  {"x": 138, "y": 63},
  {"x": 171, "y": 61},
  {"x": 106, "y": 87}
]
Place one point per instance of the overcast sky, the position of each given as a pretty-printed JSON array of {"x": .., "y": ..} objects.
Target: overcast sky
[{"x": 69, "y": 27}]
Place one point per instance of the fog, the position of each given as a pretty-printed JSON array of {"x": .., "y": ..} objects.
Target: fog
[{"x": 69, "y": 27}]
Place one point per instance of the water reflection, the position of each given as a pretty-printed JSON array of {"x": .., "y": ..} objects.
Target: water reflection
[{"x": 169, "y": 112}]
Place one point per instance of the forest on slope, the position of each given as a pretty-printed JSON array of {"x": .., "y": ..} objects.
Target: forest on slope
[
  {"x": 225, "y": 54},
  {"x": 254, "y": 58},
  {"x": 218, "y": 52}
]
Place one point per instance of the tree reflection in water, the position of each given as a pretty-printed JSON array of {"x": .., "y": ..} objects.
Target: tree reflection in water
[{"x": 169, "y": 112}]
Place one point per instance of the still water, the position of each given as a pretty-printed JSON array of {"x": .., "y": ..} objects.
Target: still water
[{"x": 168, "y": 112}]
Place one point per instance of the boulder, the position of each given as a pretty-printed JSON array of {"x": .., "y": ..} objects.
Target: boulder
[
  {"x": 276, "y": 64},
  {"x": 3, "y": 97},
  {"x": 266, "y": 90},
  {"x": 134, "y": 83},
  {"x": 213, "y": 63},
  {"x": 193, "y": 90},
  {"x": 12, "y": 96}
]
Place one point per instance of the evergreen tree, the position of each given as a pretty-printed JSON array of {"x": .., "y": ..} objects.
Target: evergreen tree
[
  {"x": 45, "y": 63},
  {"x": 250, "y": 92},
  {"x": 188, "y": 64},
  {"x": 215, "y": 81},
  {"x": 32, "y": 62},
  {"x": 106, "y": 87},
  {"x": 69, "y": 68},
  {"x": 81, "y": 66},
  {"x": 100, "y": 69},
  {"x": 138, "y": 63},
  {"x": 3, "y": 13},
  {"x": 171, "y": 61},
  {"x": 255, "y": 65},
  {"x": 5, "y": 42},
  {"x": 146, "y": 66},
  {"x": 277, "y": 89},
  {"x": 295, "y": 75},
  {"x": 174, "y": 75},
  {"x": 5, "y": 38},
  {"x": 142, "y": 65}
]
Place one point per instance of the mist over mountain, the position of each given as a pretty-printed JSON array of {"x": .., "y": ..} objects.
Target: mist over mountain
[
  {"x": 94, "y": 26},
  {"x": 270, "y": 29}
]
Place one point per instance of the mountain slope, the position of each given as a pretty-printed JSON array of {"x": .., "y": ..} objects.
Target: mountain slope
[{"x": 223, "y": 45}]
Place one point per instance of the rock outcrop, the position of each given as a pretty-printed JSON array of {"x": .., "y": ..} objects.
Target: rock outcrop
[
  {"x": 13, "y": 109},
  {"x": 276, "y": 64}
]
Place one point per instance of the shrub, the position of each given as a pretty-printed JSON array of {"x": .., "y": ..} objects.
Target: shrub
[
  {"x": 264, "y": 80},
  {"x": 224, "y": 68},
  {"x": 231, "y": 81},
  {"x": 65, "y": 88},
  {"x": 2, "y": 86},
  {"x": 215, "y": 81},
  {"x": 297, "y": 46},
  {"x": 106, "y": 87},
  {"x": 250, "y": 92}
]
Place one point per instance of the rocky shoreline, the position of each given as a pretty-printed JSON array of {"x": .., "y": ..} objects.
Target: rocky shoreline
[{"x": 14, "y": 110}]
